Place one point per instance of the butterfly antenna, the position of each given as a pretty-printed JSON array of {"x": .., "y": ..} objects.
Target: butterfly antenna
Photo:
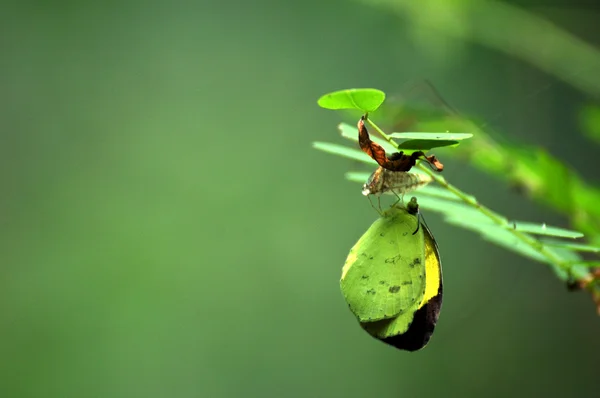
[
  {"x": 421, "y": 219},
  {"x": 418, "y": 222}
]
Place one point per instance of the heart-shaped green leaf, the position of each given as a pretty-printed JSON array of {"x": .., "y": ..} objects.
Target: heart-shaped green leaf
[{"x": 364, "y": 99}]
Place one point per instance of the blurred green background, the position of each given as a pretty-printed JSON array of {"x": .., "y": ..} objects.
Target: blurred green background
[{"x": 168, "y": 231}]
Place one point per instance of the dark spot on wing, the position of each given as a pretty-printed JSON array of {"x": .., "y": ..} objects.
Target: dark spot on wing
[
  {"x": 394, "y": 289},
  {"x": 392, "y": 259},
  {"x": 415, "y": 262},
  {"x": 365, "y": 277},
  {"x": 406, "y": 283},
  {"x": 371, "y": 291},
  {"x": 382, "y": 282}
]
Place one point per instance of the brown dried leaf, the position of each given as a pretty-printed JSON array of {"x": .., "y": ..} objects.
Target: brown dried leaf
[{"x": 395, "y": 162}]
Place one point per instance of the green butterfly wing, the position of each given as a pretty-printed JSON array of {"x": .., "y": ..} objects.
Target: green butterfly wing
[
  {"x": 394, "y": 331},
  {"x": 384, "y": 274}
]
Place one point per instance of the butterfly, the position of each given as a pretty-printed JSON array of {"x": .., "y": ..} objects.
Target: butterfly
[{"x": 392, "y": 279}]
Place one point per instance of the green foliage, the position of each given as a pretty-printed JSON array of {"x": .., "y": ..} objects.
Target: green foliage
[
  {"x": 590, "y": 122},
  {"x": 572, "y": 246},
  {"x": 425, "y": 145},
  {"x": 543, "y": 229},
  {"x": 530, "y": 169},
  {"x": 543, "y": 177},
  {"x": 363, "y": 99},
  {"x": 432, "y": 136},
  {"x": 343, "y": 151},
  {"x": 568, "y": 57},
  {"x": 426, "y": 141},
  {"x": 411, "y": 141}
]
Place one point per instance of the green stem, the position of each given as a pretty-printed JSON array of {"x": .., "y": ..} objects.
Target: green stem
[
  {"x": 380, "y": 131},
  {"x": 493, "y": 216}
]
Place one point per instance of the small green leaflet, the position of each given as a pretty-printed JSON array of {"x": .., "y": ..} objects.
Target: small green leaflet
[
  {"x": 543, "y": 229},
  {"x": 426, "y": 141},
  {"x": 412, "y": 141},
  {"x": 580, "y": 247},
  {"x": 432, "y": 136},
  {"x": 364, "y": 99},
  {"x": 342, "y": 150}
]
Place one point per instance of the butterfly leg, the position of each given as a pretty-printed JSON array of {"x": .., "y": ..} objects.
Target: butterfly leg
[
  {"x": 373, "y": 206},
  {"x": 399, "y": 197}
]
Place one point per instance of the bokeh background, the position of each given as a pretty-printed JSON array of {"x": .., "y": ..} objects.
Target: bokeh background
[{"x": 168, "y": 231}]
